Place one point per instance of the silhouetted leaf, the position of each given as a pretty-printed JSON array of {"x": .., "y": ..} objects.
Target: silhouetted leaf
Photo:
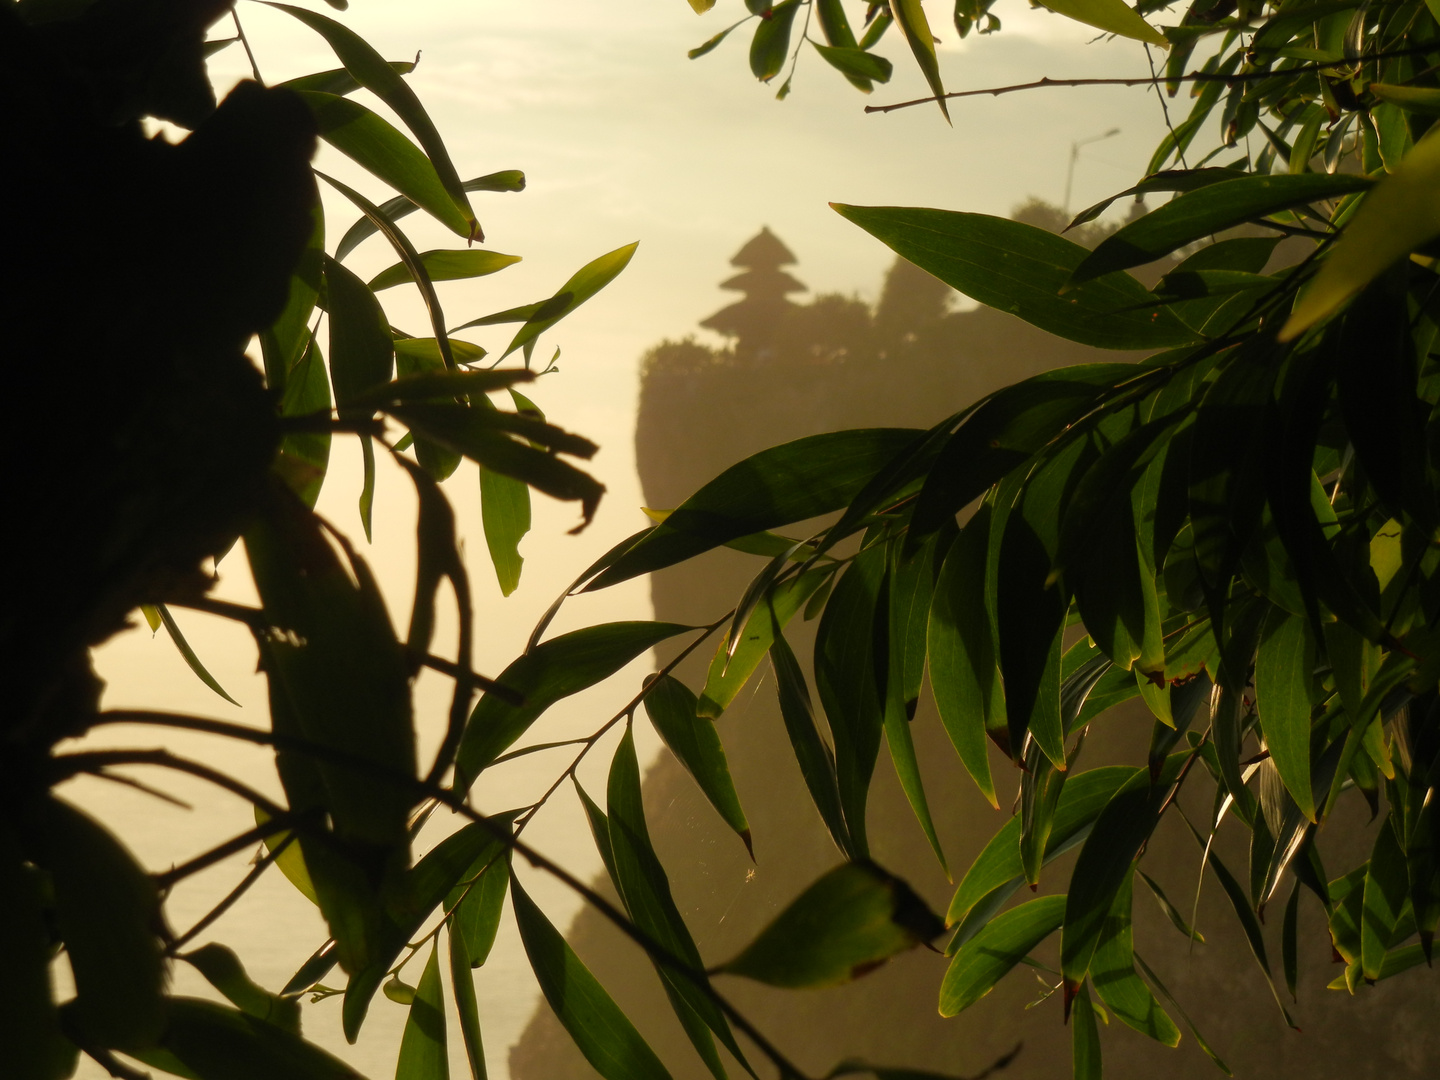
[
  {"x": 462, "y": 983},
  {"x": 847, "y": 923},
  {"x": 400, "y": 206},
  {"x": 222, "y": 969},
  {"x": 106, "y": 910},
  {"x": 217, "y": 1043}
]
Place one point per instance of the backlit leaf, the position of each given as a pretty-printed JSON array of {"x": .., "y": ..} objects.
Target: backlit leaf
[
  {"x": 847, "y": 923},
  {"x": 987, "y": 957},
  {"x": 674, "y": 711}
]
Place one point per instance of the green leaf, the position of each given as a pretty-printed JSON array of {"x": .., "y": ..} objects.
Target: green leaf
[
  {"x": 189, "y": 654},
  {"x": 1393, "y": 220},
  {"x": 771, "y": 44},
  {"x": 1424, "y": 100},
  {"x": 475, "y": 904},
  {"x": 338, "y": 80},
  {"x": 1385, "y": 892},
  {"x": 987, "y": 957},
  {"x": 426, "y": 353},
  {"x": 462, "y": 983},
  {"x": 674, "y": 711},
  {"x": 582, "y": 285},
  {"x": 788, "y": 483},
  {"x": 505, "y": 515},
  {"x": 1198, "y": 214},
  {"x": 1172, "y": 913},
  {"x": 361, "y": 350},
  {"x": 304, "y": 458},
  {"x": 1289, "y": 941},
  {"x": 729, "y": 672},
  {"x": 642, "y": 882},
  {"x": 106, "y": 911},
  {"x": 600, "y": 1030},
  {"x": 847, "y": 677},
  {"x": 816, "y": 761},
  {"x": 445, "y": 265},
  {"x": 1085, "y": 1060},
  {"x": 855, "y": 64},
  {"x": 1283, "y": 673},
  {"x": 372, "y": 72},
  {"x": 711, "y": 44},
  {"x": 290, "y": 860},
  {"x": 222, "y": 969},
  {"x": 1112, "y": 16},
  {"x": 423, "y": 1053},
  {"x": 400, "y": 206},
  {"x": 910, "y": 16},
  {"x": 551, "y": 671},
  {"x": 217, "y": 1043},
  {"x": 377, "y": 146},
  {"x": 998, "y": 868},
  {"x": 1105, "y": 861},
  {"x": 847, "y": 923},
  {"x": 961, "y": 650},
  {"x": 284, "y": 343},
  {"x": 1112, "y": 971},
  {"x": 1020, "y": 269}
]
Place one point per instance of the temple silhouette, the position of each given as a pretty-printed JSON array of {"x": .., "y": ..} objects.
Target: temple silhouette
[{"x": 789, "y": 370}]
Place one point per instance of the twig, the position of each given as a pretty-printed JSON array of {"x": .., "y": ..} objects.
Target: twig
[
  {"x": 223, "y": 851},
  {"x": 656, "y": 951},
  {"x": 1154, "y": 80},
  {"x": 240, "y": 33},
  {"x": 1164, "y": 108},
  {"x": 138, "y": 785},
  {"x": 233, "y": 895},
  {"x": 68, "y": 765}
]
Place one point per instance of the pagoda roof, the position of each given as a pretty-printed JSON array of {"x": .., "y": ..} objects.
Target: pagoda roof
[
  {"x": 764, "y": 282},
  {"x": 763, "y": 251}
]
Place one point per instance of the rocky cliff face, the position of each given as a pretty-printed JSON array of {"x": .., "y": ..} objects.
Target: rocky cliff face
[{"x": 834, "y": 364}]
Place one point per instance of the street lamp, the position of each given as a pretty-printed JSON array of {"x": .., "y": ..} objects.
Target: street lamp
[{"x": 1075, "y": 156}]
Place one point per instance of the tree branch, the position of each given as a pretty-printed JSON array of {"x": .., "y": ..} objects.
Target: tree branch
[{"x": 1155, "y": 80}]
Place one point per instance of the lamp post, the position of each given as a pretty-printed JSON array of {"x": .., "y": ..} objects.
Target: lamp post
[{"x": 1075, "y": 156}]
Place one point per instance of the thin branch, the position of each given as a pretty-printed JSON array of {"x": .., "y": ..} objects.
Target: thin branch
[
  {"x": 240, "y": 33},
  {"x": 138, "y": 785},
  {"x": 221, "y": 852},
  {"x": 1164, "y": 108},
  {"x": 233, "y": 895},
  {"x": 1155, "y": 80},
  {"x": 67, "y": 765}
]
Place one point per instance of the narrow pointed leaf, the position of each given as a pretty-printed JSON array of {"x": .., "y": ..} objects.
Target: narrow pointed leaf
[
  {"x": 582, "y": 285},
  {"x": 446, "y": 265},
  {"x": 1112, "y": 16},
  {"x": 847, "y": 923},
  {"x": 987, "y": 957},
  {"x": 551, "y": 671},
  {"x": 423, "y": 1053},
  {"x": 817, "y": 762},
  {"x": 599, "y": 1029},
  {"x": 674, "y": 711},
  {"x": 1282, "y": 689},
  {"x": 1021, "y": 269}
]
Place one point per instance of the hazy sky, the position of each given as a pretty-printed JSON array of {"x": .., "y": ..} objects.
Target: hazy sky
[{"x": 623, "y": 138}]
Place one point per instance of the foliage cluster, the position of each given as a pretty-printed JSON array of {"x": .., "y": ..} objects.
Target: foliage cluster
[{"x": 1243, "y": 526}]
